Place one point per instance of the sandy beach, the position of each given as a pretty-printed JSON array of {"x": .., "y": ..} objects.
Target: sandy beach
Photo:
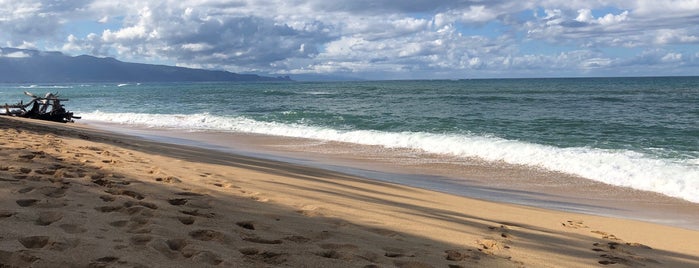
[{"x": 75, "y": 196}]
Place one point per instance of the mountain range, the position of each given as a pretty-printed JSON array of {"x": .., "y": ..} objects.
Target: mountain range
[{"x": 33, "y": 66}]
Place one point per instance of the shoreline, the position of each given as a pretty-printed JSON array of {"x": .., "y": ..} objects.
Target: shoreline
[
  {"x": 472, "y": 178},
  {"x": 79, "y": 196}
]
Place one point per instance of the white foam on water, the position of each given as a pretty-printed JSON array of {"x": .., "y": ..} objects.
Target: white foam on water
[
  {"x": 44, "y": 87},
  {"x": 672, "y": 177}
]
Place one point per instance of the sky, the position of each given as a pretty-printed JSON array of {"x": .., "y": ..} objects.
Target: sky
[{"x": 371, "y": 39}]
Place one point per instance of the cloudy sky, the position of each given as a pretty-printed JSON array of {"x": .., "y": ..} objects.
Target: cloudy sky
[{"x": 372, "y": 39}]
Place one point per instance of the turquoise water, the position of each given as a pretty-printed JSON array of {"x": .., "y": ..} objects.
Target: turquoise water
[{"x": 635, "y": 132}]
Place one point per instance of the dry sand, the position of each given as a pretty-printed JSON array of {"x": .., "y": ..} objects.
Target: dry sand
[{"x": 72, "y": 196}]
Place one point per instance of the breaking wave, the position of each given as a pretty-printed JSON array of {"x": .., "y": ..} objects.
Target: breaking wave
[{"x": 672, "y": 177}]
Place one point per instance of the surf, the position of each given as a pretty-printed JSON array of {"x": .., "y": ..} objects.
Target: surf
[{"x": 674, "y": 177}]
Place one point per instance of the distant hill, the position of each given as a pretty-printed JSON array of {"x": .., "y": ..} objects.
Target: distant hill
[{"x": 32, "y": 66}]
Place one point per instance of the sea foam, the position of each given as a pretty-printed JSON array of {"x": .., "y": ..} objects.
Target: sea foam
[{"x": 672, "y": 177}]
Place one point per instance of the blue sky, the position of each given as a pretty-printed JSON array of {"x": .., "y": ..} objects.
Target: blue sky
[{"x": 371, "y": 39}]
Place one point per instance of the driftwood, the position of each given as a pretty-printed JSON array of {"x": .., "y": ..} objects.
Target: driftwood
[{"x": 43, "y": 108}]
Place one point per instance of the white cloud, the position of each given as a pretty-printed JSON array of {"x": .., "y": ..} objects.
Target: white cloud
[
  {"x": 672, "y": 36},
  {"x": 666, "y": 7},
  {"x": 671, "y": 57},
  {"x": 612, "y": 19},
  {"x": 479, "y": 13},
  {"x": 16, "y": 54},
  {"x": 364, "y": 36},
  {"x": 197, "y": 47},
  {"x": 585, "y": 15}
]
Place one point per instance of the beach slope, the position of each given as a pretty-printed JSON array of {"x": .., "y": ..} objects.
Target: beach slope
[{"x": 73, "y": 196}]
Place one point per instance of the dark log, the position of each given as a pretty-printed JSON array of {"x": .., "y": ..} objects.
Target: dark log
[{"x": 44, "y": 108}]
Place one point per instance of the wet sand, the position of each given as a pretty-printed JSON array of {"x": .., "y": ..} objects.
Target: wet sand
[
  {"x": 473, "y": 178},
  {"x": 79, "y": 196}
]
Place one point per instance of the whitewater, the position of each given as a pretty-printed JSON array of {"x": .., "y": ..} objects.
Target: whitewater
[
  {"x": 640, "y": 133},
  {"x": 676, "y": 178}
]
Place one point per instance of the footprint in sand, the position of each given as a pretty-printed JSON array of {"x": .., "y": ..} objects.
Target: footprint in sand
[
  {"x": 489, "y": 246},
  {"x": 107, "y": 209},
  {"x": 259, "y": 199},
  {"x": 119, "y": 224},
  {"x": 207, "y": 257},
  {"x": 138, "y": 228},
  {"x": 140, "y": 240},
  {"x": 298, "y": 239},
  {"x": 267, "y": 257},
  {"x": 255, "y": 196},
  {"x": 502, "y": 229},
  {"x": 107, "y": 198},
  {"x": 128, "y": 207},
  {"x": 246, "y": 225},
  {"x": 64, "y": 174},
  {"x": 103, "y": 262},
  {"x": 220, "y": 184},
  {"x": 72, "y": 228},
  {"x": 574, "y": 224},
  {"x": 20, "y": 177},
  {"x": 25, "y": 190},
  {"x": 128, "y": 193},
  {"x": 189, "y": 194},
  {"x": 411, "y": 264},
  {"x": 169, "y": 179},
  {"x": 20, "y": 258},
  {"x": 176, "y": 244},
  {"x": 202, "y": 203},
  {"x": 338, "y": 251},
  {"x": 177, "y": 201},
  {"x": 32, "y": 242},
  {"x": 26, "y": 202},
  {"x": 139, "y": 223},
  {"x": 48, "y": 217},
  {"x": 380, "y": 231},
  {"x": 629, "y": 254},
  {"x": 6, "y": 214},
  {"x": 196, "y": 213},
  {"x": 259, "y": 240},
  {"x": 111, "y": 161},
  {"x": 455, "y": 255},
  {"x": 493, "y": 245},
  {"x": 207, "y": 235},
  {"x": 9, "y": 180},
  {"x": 186, "y": 220},
  {"x": 331, "y": 254},
  {"x": 129, "y": 204},
  {"x": 310, "y": 211},
  {"x": 396, "y": 253},
  {"x": 50, "y": 172},
  {"x": 101, "y": 180},
  {"x": 249, "y": 251},
  {"x": 26, "y": 157},
  {"x": 605, "y": 235},
  {"x": 53, "y": 192},
  {"x": 169, "y": 248},
  {"x": 63, "y": 244}
]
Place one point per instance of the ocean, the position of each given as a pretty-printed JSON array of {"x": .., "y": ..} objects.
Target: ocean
[{"x": 641, "y": 133}]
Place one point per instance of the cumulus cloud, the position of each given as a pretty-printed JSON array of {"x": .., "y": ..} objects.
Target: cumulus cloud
[
  {"x": 380, "y": 38},
  {"x": 13, "y": 54}
]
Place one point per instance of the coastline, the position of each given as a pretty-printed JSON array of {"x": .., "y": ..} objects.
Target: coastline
[
  {"x": 473, "y": 178},
  {"x": 75, "y": 195}
]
